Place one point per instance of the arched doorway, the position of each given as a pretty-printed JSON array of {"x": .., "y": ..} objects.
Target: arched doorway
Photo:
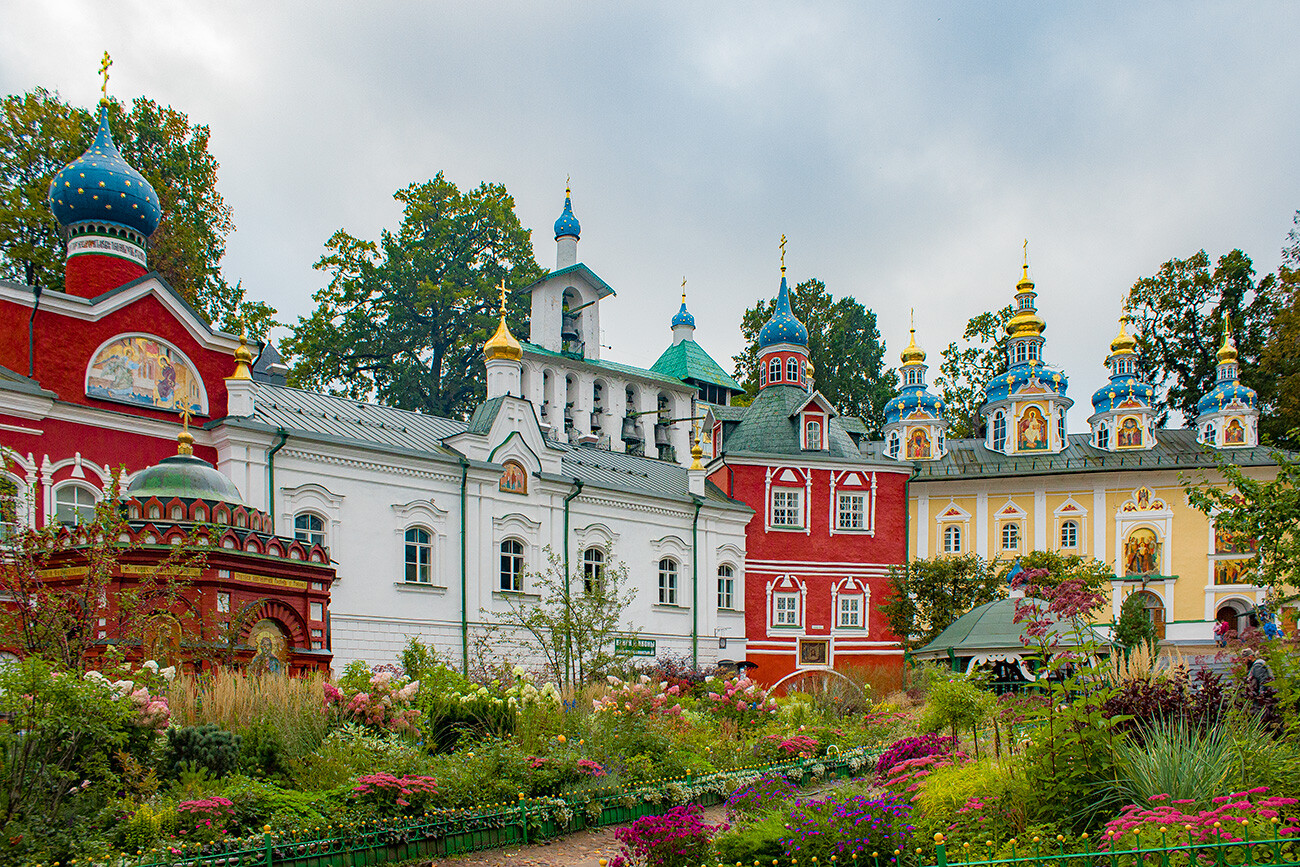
[{"x": 1155, "y": 611}]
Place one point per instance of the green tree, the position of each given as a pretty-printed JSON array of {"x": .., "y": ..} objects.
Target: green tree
[
  {"x": 926, "y": 596},
  {"x": 844, "y": 345},
  {"x": 1178, "y": 315},
  {"x": 966, "y": 368},
  {"x": 1092, "y": 574},
  {"x": 1265, "y": 512},
  {"x": 40, "y": 133},
  {"x": 572, "y": 623},
  {"x": 1279, "y": 361},
  {"x": 1134, "y": 627},
  {"x": 403, "y": 319}
]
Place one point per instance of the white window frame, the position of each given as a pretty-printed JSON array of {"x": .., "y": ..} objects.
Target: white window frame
[
  {"x": 791, "y": 511},
  {"x": 726, "y": 587},
  {"x": 812, "y": 441},
  {"x": 418, "y": 569},
  {"x": 786, "y": 610},
  {"x": 895, "y": 445},
  {"x": 309, "y": 535},
  {"x": 76, "y": 506},
  {"x": 952, "y": 541},
  {"x": 999, "y": 431},
  {"x": 774, "y": 370},
  {"x": 669, "y": 570},
  {"x": 510, "y": 574},
  {"x": 1072, "y": 527},
  {"x": 1010, "y": 540},
  {"x": 851, "y": 611},
  {"x": 593, "y": 569},
  {"x": 848, "y": 498},
  {"x": 792, "y": 369}
]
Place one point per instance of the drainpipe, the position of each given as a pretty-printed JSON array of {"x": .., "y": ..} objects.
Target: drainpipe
[
  {"x": 270, "y": 474},
  {"x": 464, "y": 560},
  {"x": 695, "y": 584},
  {"x": 568, "y": 638},
  {"x": 31, "y": 323}
]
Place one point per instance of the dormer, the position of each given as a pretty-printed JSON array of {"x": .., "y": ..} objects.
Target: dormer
[{"x": 814, "y": 417}]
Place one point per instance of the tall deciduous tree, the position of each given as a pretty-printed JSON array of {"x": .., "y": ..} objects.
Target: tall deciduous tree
[
  {"x": 40, "y": 133},
  {"x": 966, "y": 368},
  {"x": 1279, "y": 361},
  {"x": 844, "y": 345},
  {"x": 403, "y": 319},
  {"x": 926, "y": 596},
  {"x": 1178, "y": 315}
]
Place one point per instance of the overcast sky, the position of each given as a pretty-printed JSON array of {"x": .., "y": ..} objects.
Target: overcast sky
[{"x": 906, "y": 149}]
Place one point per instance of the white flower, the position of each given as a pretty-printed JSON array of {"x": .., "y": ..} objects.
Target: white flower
[
  {"x": 95, "y": 676},
  {"x": 613, "y": 681},
  {"x": 151, "y": 665},
  {"x": 122, "y": 687},
  {"x": 643, "y": 679},
  {"x": 169, "y": 673}
]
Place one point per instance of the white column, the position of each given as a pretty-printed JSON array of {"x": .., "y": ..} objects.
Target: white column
[
  {"x": 1100, "y": 521},
  {"x": 982, "y": 524},
  {"x": 1040, "y": 519},
  {"x": 922, "y": 526}
]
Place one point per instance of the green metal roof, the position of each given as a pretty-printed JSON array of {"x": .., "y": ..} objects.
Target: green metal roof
[
  {"x": 990, "y": 627},
  {"x": 688, "y": 361},
  {"x": 1175, "y": 449},
  {"x": 602, "y": 364},
  {"x": 767, "y": 428},
  {"x": 603, "y": 289},
  {"x": 484, "y": 414},
  {"x": 187, "y": 477}
]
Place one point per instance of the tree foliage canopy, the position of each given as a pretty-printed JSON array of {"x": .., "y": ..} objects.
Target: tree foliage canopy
[
  {"x": 1178, "y": 316},
  {"x": 1279, "y": 361},
  {"x": 844, "y": 345},
  {"x": 40, "y": 134},
  {"x": 403, "y": 320},
  {"x": 926, "y": 596},
  {"x": 966, "y": 368}
]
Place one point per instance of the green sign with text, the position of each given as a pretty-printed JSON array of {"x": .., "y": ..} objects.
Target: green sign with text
[{"x": 635, "y": 646}]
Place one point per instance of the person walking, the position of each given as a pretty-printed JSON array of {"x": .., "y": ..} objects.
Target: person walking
[{"x": 1258, "y": 674}]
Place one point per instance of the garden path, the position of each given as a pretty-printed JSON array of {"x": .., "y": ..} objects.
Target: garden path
[{"x": 583, "y": 849}]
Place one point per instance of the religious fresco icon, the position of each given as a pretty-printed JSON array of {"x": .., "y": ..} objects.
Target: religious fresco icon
[
  {"x": 1031, "y": 431},
  {"x": 1234, "y": 434},
  {"x": 514, "y": 480},
  {"x": 1130, "y": 435},
  {"x": 918, "y": 444},
  {"x": 144, "y": 371},
  {"x": 271, "y": 644}
]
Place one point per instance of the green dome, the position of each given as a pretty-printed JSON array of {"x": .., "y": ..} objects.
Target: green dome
[{"x": 187, "y": 477}]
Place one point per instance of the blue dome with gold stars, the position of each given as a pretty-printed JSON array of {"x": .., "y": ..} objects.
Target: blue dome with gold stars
[
  {"x": 1223, "y": 394},
  {"x": 100, "y": 186},
  {"x": 1005, "y": 384},
  {"x": 683, "y": 317},
  {"x": 1119, "y": 390},
  {"x": 911, "y": 399},
  {"x": 567, "y": 224},
  {"x": 783, "y": 327}
]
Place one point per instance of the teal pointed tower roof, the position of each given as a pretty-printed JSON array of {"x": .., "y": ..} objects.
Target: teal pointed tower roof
[
  {"x": 100, "y": 186},
  {"x": 567, "y": 224},
  {"x": 689, "y": 362}
]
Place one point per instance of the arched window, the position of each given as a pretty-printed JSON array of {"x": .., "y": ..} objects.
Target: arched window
[
  {"x": 774, "y": 370},
  {"x": 1060, "y": 428},
  {"x": 74, "y": 504},
  {"x": 938, "y": 444},
  {"x": 1103, "y": 436},
  {"x": 1022, "y": 353},
  {"x": 1155, "y": 611},
  {"x": 309, "y": 528},
  {"x": 1070, "y": 534},
  {"x": 1011, "y": 537},
  {"x": 1033, "y": 351},
  {"x": 667, "y": 581},
  {"x": 1207, "y": 434},
  {"x": 762, "y": 374},
  {"x": 894, "y": 444},
  {"x": 419, "y": 556},
  {"x": 726, "y": 587},
  {"x": 593, "y": 570},
  {"x": 512, "y": 566},
  {"x": 792, "y": 369},
  {"x": 952, "y": 539},
  {"x": 812, "y": 434},
  {"x": 999, "y": 431}
]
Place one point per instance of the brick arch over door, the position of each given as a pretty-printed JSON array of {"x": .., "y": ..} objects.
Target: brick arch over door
[{"x": 274, "y": 609}]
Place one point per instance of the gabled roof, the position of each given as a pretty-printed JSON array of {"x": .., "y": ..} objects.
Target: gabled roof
[
  {"x": 1175, "y": 449},
  {"x": 597, "y": 364},
  {"x": 991, "y": 627},
  {"x": 13, "y": 381},
  {"x": 603, "y": 289},
  {"x": 688, "y": 362},
  {"x": 767, "y": 428},
  {"x": 817, "y": 398}
]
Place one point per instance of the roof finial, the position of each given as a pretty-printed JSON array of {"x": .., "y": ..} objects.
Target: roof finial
[
  {"x": 243, "y": 356},
  {"x": 185, "y": 439},
  {"x": 697, "y": 451},
  {"x": 567, "y": 191},
  {"x": 683, "y": 290},
  {"x": 1026, "y": 252},
  {"x": 103, "y": 70},
  {"x": 503, "y": 298},
  {"x": 782, "y": 254}
]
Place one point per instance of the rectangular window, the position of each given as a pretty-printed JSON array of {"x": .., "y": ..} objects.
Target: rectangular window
[
  {"x": 851, "y": 610},
  {"x": 318, "y": 611},
  {"x": 786, "y": 609},
  {"x": 726, "y": 588},
  {"x": 852, "y": 511},
  {"x": 787, "y": 508},
  {"x": 223, "y": 602}
]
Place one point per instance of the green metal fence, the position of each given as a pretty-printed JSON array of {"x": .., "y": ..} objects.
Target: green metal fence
[{"x": 452, "y": 832}]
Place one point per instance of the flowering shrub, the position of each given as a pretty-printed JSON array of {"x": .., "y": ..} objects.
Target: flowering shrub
[
  {"x": 640, "y": 697},
  {"x": 914, "y": 748},
  {"x": 407, "y": 793},
  {"x": 796, "y": 745},
  {"x": 1240, "y": 816},
  {"x": 844, "y": 827},
  {"x": 678, "y": 838},
  {"x": 590, "y": 768},
  {"x": 764, "y": 793},
  {"x": 738, "y": 699},
  {"x": 909, "y": 775},
  {"x": 385, "y": 706},
  {"x": 203, "y": 820}
]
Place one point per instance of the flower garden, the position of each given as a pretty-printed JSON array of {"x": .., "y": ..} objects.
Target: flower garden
[{"x": 1109, "y": 761}]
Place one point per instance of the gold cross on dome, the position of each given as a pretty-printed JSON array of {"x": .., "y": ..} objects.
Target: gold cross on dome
[
  {"x": 103, "y": 70},
  {"x": 1026, "y": 251},
  {"x": 683, "y": 290},
  {"x": 783, "y": 253},
  {"x": 503, "y": 296},
  {"x": 185, "y": 415}
]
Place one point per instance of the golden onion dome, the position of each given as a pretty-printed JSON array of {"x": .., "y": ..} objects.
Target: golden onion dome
[
  {"x": 502, "y": 344},
  {"x": 1123, "y": 342},
  {"x": 1025, "y": 284},
  {"x": 913, "y": 354},
  {"x": 1026, "y": 322},
  {"x": 243, "y": 358},
  {"x": 1228, "y": 351}
]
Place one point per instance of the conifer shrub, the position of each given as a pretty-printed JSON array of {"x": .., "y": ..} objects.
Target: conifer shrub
[{"x": 207, "y": 748}]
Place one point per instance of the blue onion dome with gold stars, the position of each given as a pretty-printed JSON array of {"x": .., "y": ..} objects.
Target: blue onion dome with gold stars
[
  {"x": 99, "y": 186},
  {"x": 568, "y": 224},
  {"x": 1020, "y": 375},
  {"x": 783, "y": 327},
  {"x": 1227, "y": 389},
  {"x": 683, "y": 316},
  {"x": 913, "y": 395},
  {"x": 1125, "y": 386}
]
